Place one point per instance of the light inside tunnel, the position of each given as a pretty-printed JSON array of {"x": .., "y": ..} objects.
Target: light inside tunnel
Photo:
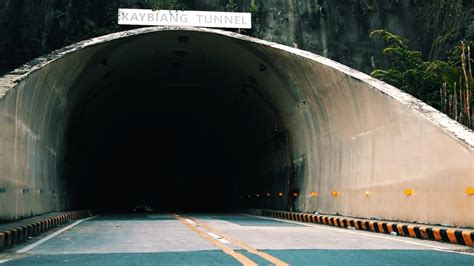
[{"x": 174, "y": 121}]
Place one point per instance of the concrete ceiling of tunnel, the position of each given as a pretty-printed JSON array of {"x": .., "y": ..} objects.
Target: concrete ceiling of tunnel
[{"x": 183, "y": 59}]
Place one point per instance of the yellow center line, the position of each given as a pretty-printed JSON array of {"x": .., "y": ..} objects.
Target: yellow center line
[
  {"x": 247, "y": 247},
  {"x": 241, "y": 258}
]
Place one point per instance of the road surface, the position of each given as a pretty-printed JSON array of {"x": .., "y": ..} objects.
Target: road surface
[{"x": 223, "y": 239}]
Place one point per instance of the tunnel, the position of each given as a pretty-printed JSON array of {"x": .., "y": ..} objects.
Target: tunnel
[
  {"x": 190, "y": 119},
  {"x": 171, "y": 122}
]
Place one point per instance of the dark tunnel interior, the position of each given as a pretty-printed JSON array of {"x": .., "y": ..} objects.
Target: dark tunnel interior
[
  {"x": 164, "y": 153},
  {"x": 173, "y": 144}
]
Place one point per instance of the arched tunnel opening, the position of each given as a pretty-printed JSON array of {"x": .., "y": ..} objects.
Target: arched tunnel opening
[
  {"x": 201, "y": 119},
  {"x": 174, "y": 122}
]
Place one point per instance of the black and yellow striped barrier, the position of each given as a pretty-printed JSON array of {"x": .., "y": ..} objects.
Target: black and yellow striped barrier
[
  {"x": 19, "y": 234},
  {"x": 454, "y": 236}
]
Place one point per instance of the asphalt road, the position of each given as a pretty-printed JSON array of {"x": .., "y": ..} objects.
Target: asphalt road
[{"x": 223, "y": 239}]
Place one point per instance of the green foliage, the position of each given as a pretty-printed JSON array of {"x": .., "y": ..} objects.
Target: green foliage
[
  {"x": 231, "y": 6},
  {"x": 165, "y": 4},
  {"x": 255, "y": 8},
  {"x": 456, "y": 93},
  {"x": 442, "y": 19},
  {"x": 445, "y": 85},
  {"x": 408, "y": 71},
  {"x": 371, "y": 8}
]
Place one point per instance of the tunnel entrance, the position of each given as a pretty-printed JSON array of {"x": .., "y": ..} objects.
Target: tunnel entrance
[
  {"x": 175, "y": 126},
  {"x": 190, "y": 118}
]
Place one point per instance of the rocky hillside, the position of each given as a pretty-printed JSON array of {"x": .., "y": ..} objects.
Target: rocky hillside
[{"x": 333, "y": 28}]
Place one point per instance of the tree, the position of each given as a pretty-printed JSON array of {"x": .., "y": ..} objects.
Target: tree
[
  {"x": 408, "y": 71},
  {"x": 446, "y": 85}
]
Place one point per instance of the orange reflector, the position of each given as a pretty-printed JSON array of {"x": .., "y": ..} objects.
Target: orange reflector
[
  {"x": 408, "y": 191},
  {"x": 367, "y": 193},
  {"x": 314, "y": 194},
  {"x": 334, "y": 193},
  {"x": 470, "y": 190},
  {"x": 280, "y": 194}
]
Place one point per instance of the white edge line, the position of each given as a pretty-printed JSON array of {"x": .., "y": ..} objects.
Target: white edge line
[
  {"x": 362, "y": 234},
  {"x": 41, "y": 241},
  {"x": 3, "y": 261}
]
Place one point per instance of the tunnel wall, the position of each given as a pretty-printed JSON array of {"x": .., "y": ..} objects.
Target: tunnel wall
[
  {"x": 367, "y": 142},
  {"x": 357, "y": 142},
  {"x": 32, "y": 124}
]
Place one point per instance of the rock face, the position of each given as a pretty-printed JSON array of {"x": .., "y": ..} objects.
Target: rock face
[{"x": 336, "y": 29}]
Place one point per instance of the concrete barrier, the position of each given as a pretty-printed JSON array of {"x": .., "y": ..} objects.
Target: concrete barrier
[
  {"x": 457, "y": 236},
  {"x": 21, "y": 233}
]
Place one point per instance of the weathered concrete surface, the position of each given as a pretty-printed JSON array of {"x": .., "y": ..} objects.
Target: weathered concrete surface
[{"x": 348, "y": 133}]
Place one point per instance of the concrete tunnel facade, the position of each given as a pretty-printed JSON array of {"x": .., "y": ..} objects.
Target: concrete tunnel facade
[{"x": 214, "y": 116}]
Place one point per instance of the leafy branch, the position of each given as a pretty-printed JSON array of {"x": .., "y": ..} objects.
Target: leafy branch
[{"x": 445, "y": 85}]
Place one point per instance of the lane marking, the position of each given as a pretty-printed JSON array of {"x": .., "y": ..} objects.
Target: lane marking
[
  {"x": 362, "y": 234},
  {"x": 247, "y": 247},
  {"x": 3, "y": 261},
  {"x": 190, "y": 221},
  {"x": 41, "y": 241},
  {"x": 241, "y": 258},
  {"x": 218, "y": 237}
]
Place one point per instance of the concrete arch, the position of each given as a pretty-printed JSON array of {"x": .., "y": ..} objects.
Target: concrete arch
[{"x": 315, "y": 125}]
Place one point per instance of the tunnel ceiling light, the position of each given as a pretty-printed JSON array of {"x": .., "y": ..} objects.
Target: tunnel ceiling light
[
  {"x": 295, "y": 194},
  {"x": 248, "y": 196},
  {"x": 268, "y": 194},
  {"x": 280, "y": 194},
  {"x": 470, "y": 190},
  {"x": 408, "y": 191},
  {"x": 367, "y": 193},
  {"x": 335, "y": 193},
  {"x": 314, "y": 194},
  {"x": 258, "y": 195}
]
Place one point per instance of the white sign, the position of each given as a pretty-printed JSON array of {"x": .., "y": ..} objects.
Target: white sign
[{"x": 148, "y": 17}]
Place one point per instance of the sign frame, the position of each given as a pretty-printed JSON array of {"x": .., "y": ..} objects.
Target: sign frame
[{"x": 207, "y": 19}]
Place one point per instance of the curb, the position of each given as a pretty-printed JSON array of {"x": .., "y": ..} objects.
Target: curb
[
  {"x": 20, "y": 234},
  {"x": 454, "y": 236}
]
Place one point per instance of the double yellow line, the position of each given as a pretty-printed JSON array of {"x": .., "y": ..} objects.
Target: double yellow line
[{"x": 241, "y": 258}]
